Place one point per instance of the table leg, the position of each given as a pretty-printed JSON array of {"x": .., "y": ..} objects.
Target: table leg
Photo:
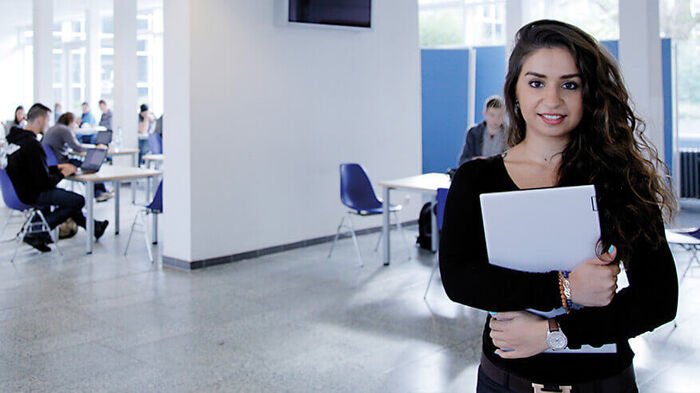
[
  {"x": 386, "y": 250},
  {"x": 116, "y": 207},
  {"x": 434, "y": 233},
  {"x": 89, "y": 220},
  {"x": 155, "y": 228}
]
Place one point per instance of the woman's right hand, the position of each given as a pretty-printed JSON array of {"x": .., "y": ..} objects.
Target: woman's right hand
[{"x": 594, "y": 282}]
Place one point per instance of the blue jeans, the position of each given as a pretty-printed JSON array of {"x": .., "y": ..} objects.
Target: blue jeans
[{"x": 66, "y": 205}]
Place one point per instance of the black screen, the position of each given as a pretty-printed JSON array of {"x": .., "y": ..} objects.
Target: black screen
[{"x": 354, "y": 13}]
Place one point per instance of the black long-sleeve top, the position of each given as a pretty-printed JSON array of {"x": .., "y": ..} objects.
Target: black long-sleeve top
[
  {"x": 26, "y": 166},
  {"x": 649, "y": 301}
]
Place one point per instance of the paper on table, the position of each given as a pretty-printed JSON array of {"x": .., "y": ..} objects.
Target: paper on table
[{"x": 543, "y": 230}]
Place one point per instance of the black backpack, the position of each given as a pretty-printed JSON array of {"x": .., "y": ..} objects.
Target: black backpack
[{"x": 425, "y": 237}]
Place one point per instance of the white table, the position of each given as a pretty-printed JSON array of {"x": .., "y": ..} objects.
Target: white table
[
  {"x": 690, "y": 244},
  {"x": 134, "y": 153},
  {"x": 425, "y": 184},
  {"x": 156, "y": 159},
  {"x": 116, "y": 175}
]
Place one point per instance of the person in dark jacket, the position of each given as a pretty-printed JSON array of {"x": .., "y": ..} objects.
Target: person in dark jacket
[
  {"x": 487, "y": 138},
  {"x": 35, "y": 182}
]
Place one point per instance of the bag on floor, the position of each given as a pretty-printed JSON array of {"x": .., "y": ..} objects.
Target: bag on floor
[
  {"x": 68, "y": 229},
  {"x": 424, "y": 240}
]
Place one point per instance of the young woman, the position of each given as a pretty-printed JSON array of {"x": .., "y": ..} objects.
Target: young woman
[{"x": 571, "y": 124}]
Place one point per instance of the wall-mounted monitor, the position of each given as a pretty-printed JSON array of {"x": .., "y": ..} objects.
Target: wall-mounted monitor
[{"x": 347, "y": 13}]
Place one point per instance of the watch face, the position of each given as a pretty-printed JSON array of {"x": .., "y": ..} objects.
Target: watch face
[{"x": 556, "y": 340}]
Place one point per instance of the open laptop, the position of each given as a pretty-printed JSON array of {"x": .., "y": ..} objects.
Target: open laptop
[
  {"x": 92, "y": 162},
  {"x": 104, "y": 138}
]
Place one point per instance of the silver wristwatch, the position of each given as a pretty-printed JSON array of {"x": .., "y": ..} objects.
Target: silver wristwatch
[{"x": 556, "y": 339}]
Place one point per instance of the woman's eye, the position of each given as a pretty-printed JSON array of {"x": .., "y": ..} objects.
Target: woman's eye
[
  {"x": 570, "y": 85},
  {"x": 536, "y": 84}
]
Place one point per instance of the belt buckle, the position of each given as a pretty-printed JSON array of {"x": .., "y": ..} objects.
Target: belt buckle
[{"x": 537, "y": 388}]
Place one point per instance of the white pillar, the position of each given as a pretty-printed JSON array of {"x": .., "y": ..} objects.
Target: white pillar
[
  {"x": 125, "y": 95},
  {"x": 514, "y": 21},
  {"x": 43, "y": 47},
  {"x": 640, "y": 63},
  {"x": 177, "y": 130},
  {"x": 93, "y": 24}
]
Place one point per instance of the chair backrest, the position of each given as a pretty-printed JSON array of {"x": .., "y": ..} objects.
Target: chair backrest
[
  {"x": 155, "y": 143},
  {"x": 9, "y": 195},
  {"x": 156, "y": 204},
  {"x": 356, "y": 191},
  {"x": 50, "y": 156},
  {"x": 440, "y": 210}
]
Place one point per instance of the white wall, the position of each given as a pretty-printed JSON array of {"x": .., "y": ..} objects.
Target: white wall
[{"x": 272, "y": 112}]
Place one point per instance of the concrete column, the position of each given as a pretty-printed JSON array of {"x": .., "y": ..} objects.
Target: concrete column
[
  {"x": 640, "y": 62},
  {"x": 125, "y": 94},
  {"x": 93, "y": 24},
  {"x": 43, "y": 47},
  {"x": 177, "y": 127}
]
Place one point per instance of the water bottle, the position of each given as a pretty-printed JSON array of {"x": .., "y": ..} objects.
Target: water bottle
[{"x": 118, "y": 139}]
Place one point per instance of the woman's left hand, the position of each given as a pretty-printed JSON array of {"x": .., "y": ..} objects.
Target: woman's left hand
[{"x": 524, "y": 334}]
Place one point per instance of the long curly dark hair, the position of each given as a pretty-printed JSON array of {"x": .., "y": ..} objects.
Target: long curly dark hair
[{"x": 608, "y": 148}]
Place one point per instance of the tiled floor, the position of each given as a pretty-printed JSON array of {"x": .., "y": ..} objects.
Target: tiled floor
[{"x": 294, "y": 321}]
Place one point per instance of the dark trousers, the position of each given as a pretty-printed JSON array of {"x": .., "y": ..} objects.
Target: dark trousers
[
  {"x": 66, "y": 205},
  {"x": 485, "y": 384}
]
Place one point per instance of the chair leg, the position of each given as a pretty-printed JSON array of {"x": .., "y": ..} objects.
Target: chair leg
[
  {"x": 21, "y": 235},
  {"x": 354, "y": 239},
  {"x": 128, "y": 240},
  {"x": 45, "y": 225},
  {"x": 693, "y": 258},
  {"x": 436, "y": 263},
  {"x": 337, "y": 235},
  {"x": 379, "y": 241},
  {"x": 403, "y": 234}
]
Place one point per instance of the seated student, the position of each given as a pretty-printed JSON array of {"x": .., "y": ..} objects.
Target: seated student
[
  {"x": 106, "y": 118},
  {"x": 18, "y": 121},
  {"x": 35, "y": 182},
  {"x": 488, "y": 137},
  {"x": 61, "y": 139}
]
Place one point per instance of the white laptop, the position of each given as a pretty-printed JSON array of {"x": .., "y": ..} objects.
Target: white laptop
[{"x": 543, "y": 230}]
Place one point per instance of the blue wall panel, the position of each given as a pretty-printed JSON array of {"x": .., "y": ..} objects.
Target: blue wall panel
[
  {"x": 490, "y": 76},
  {"x": 444, "y": 94},
  {"x": 667, "y": 88}
]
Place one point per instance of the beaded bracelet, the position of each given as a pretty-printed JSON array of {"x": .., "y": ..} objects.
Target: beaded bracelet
[{"x": 565, "y": 291}]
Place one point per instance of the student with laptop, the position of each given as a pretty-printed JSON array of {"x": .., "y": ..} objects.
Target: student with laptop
[
  {"x": 62, "y": 140},
  {"x": 571, "y": 124},
  {"x": 35, "y": 182}
]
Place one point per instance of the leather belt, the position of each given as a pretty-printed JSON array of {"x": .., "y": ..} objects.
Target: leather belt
[{"x": 616, "y": 383}]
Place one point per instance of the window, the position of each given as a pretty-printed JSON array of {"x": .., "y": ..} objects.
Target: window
[
  {"x": 679, "y": 21},
  {"x": 445, "y": 23},
  {"x": 600, "y": 18}
]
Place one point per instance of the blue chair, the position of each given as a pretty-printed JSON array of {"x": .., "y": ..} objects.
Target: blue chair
[
  {"x": 155, "y": 207},
  {"x": 155, "y": 143},
  {"x": 357, "y": 194},
  {"x": 29, "y": 226},
  {"x": 439, "y": 214},
  {"x": 51, "y": 159}
]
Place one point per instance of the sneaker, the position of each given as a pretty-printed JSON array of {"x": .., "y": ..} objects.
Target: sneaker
[
  {"x": 100, "y": 227},
  {"x": 105, "y": 196},
  {"x": 37, "y": 243}
]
